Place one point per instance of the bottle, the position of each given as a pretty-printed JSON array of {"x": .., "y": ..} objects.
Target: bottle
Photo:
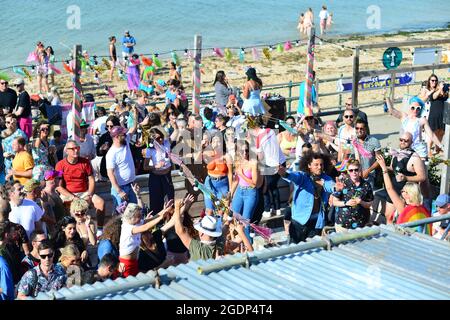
[{"x": 385, "y": 107}]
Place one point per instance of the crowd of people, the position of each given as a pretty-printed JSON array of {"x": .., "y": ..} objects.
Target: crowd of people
[{"x": 55, "y": 230}]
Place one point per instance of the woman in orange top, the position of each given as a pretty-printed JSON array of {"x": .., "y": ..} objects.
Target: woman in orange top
[{"x": 220, "y": 171}]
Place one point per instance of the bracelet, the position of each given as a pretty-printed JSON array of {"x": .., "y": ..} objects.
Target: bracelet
[{"x": 385, "y": 171}]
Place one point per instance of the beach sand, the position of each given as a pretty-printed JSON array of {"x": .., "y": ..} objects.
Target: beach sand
[{"x": 331, "y": 60}]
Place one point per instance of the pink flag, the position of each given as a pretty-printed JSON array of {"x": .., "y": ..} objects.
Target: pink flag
[
  {"x": 32, "y": 57},
  {"x": 255, "y": 54},
  {"x": 218, "y": 52},
  {"x": 51, "y": 66},
  {"x": 287, "y": 46}
]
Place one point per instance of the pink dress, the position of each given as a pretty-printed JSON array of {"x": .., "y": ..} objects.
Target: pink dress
[{"x": 133, "y": 77}]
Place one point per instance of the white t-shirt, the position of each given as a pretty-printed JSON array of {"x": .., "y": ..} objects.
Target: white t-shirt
[
  {"x": 100, "y": 125},
  {"x": 273, "y": 156},
  {"x": 87, "y": 148},
  {"x": 128, "y": 241},
  {"x": 323, "y": 15},
  {"x": 121, "y": 160},
  {"x": 26, "y": 215}
]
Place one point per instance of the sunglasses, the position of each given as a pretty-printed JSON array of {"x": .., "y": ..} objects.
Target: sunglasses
[
  {"x": 80, "y": 214},
  {"x": 403, "y": 140},
  {"x": 44, "y": 256},
  {"x": 352, "y": 170},
  {"x": 413, "y": 108},
  {"x": 348, "y": 117},
  {"x": 74, "y": 148},
  {"x": 433, "y": 80},
  {"x": 44, "y": 129},
  {"x": 109, "y": 126},
  {"x": 360, "y": 128},
  {"x": 4, "y": 82},
  {"x": 348, "y": 104}
]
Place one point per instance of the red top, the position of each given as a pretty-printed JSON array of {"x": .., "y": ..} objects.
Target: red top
[{"x": 75, "y": 176}]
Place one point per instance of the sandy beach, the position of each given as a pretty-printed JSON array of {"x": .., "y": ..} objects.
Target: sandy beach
[{"x": 331, "y": 60}]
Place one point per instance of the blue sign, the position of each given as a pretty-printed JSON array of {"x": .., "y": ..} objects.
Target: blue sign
[
  {"x": 379, "y": 82},
  {"x": 392, "y": 58}
]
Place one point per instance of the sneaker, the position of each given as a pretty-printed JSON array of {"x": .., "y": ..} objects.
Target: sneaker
[
  {"x": 278, "y": 212},
  {"x": 267, "y": 214}
]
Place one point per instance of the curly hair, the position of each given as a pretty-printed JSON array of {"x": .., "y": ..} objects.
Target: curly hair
[
  {"x": 79, "y": 205},
  {"x": 308, "y": 158}
]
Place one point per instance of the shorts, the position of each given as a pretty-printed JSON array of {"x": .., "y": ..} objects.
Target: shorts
[
  {"x": 130, "y": 267},
  {"x": 80, "y": 195}
]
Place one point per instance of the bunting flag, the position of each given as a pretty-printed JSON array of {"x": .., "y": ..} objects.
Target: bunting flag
[
  {"x": 156, "y": 61},
  {"x": 218, "y": 52},
  {"x": 228, "y": 54},
  {"x": 19, "y": 71},
  {"x": 287, "y": 127},
  {"x": 148, "y": 62},
  {"x": 27, "y": 74},
  {"x": 242, "y": 56},
  {"x": 106, "y": 63},
  {"x": 287, "y": 46},
  {"x": 255, "y": 54},
  {"x": 175, "y": 58},
  {"x": 55, "y": 69},
  {"x": 67, "y": 67},
  {"x": 279, "y": 48},
  {"x": 267, "y": 53}
]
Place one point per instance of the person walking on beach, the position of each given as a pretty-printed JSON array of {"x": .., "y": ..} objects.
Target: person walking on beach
[
  {"x": 300, "y": 25},
  {"x": 112, "y": 56},
  {"x": 308, "y": 21},
  {"x": 128, "y": 43},
  {"x": 323, "y": 15}
]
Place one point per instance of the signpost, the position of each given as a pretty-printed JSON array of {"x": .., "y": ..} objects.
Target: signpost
[{"x": 392, "y": 58}]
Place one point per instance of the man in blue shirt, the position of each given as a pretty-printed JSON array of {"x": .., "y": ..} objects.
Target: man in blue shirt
[
  {"x": 128, "y": 43},
  {"x": 312, "y": 188}
]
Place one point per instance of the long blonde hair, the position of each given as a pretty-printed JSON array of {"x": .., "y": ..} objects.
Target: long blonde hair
[
  {"x": 70, "y": 250},
  {"x": 413, "y": 189}
]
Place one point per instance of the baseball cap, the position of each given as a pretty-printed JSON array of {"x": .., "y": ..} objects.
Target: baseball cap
[
  {"x": 127, "y": 32},
  {"x": 52, "y": 174},
  {"x": 117, "y": 130},
  {"x": 442, "y": 200},
  {"x": 18, "y": 81},
  {"x": 30, "y": 185}
]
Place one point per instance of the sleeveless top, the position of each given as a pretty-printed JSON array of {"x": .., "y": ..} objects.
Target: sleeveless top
[
  {"x": 242, "y": 182},
  {"x": 253, "y": 103},
  {"x": 216, "y": 168},
  {"x": 286, "y": 144},
  {"x": 413, "y": 127},
  {"x": 401, "y": 167}
]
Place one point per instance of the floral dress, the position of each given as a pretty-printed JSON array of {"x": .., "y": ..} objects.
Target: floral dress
[
  {"x": 41, "y": 162},
  {"x": 353, "y": 217}
]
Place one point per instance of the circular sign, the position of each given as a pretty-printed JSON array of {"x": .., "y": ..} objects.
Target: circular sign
[{"x": 392, "y": 58}]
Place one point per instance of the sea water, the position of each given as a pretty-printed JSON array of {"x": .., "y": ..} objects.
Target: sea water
[{"x": 162, "y": 25}]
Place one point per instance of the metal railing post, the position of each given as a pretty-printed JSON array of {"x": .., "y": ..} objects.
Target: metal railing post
[
  {"x": 290, "y": 96},
  {"x": 340, "y": 94}
]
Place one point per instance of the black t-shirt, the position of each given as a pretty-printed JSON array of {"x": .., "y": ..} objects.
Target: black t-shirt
[
  {"x": 8, "y": 99},
  {"x": 24, "y": 102},
  {"x": 174, "y": 243}
]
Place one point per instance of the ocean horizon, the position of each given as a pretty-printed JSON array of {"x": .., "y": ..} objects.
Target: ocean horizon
[{"x": 161, "y": 26}]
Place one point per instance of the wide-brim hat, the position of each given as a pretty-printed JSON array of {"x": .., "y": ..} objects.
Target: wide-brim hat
[
  {"x": 160, "y": 129},
  {"x": 208, "y": 225}
]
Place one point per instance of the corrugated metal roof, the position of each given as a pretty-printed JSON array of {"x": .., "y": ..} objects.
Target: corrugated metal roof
[{"x": 388, "y": 265}]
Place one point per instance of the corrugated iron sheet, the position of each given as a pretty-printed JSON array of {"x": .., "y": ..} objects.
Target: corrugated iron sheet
[{"x": 387, "y": 266}]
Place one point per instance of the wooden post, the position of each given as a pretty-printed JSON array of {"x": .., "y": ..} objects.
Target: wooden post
[
  {"x": 392, "y": 86},
  {"x": 308, "y": 107},
  {"x": 355, "y": 78},
  {"x": 196, "y": 74},
  {"x": 77, "y": 103},
  {"x": 445, "y": 177}
]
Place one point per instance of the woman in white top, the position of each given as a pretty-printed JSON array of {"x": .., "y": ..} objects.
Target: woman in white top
[
  {"x": 412, "y": 123},
  {"x": 130, "y": 235},
  {"x": 323, "y": 15}
]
